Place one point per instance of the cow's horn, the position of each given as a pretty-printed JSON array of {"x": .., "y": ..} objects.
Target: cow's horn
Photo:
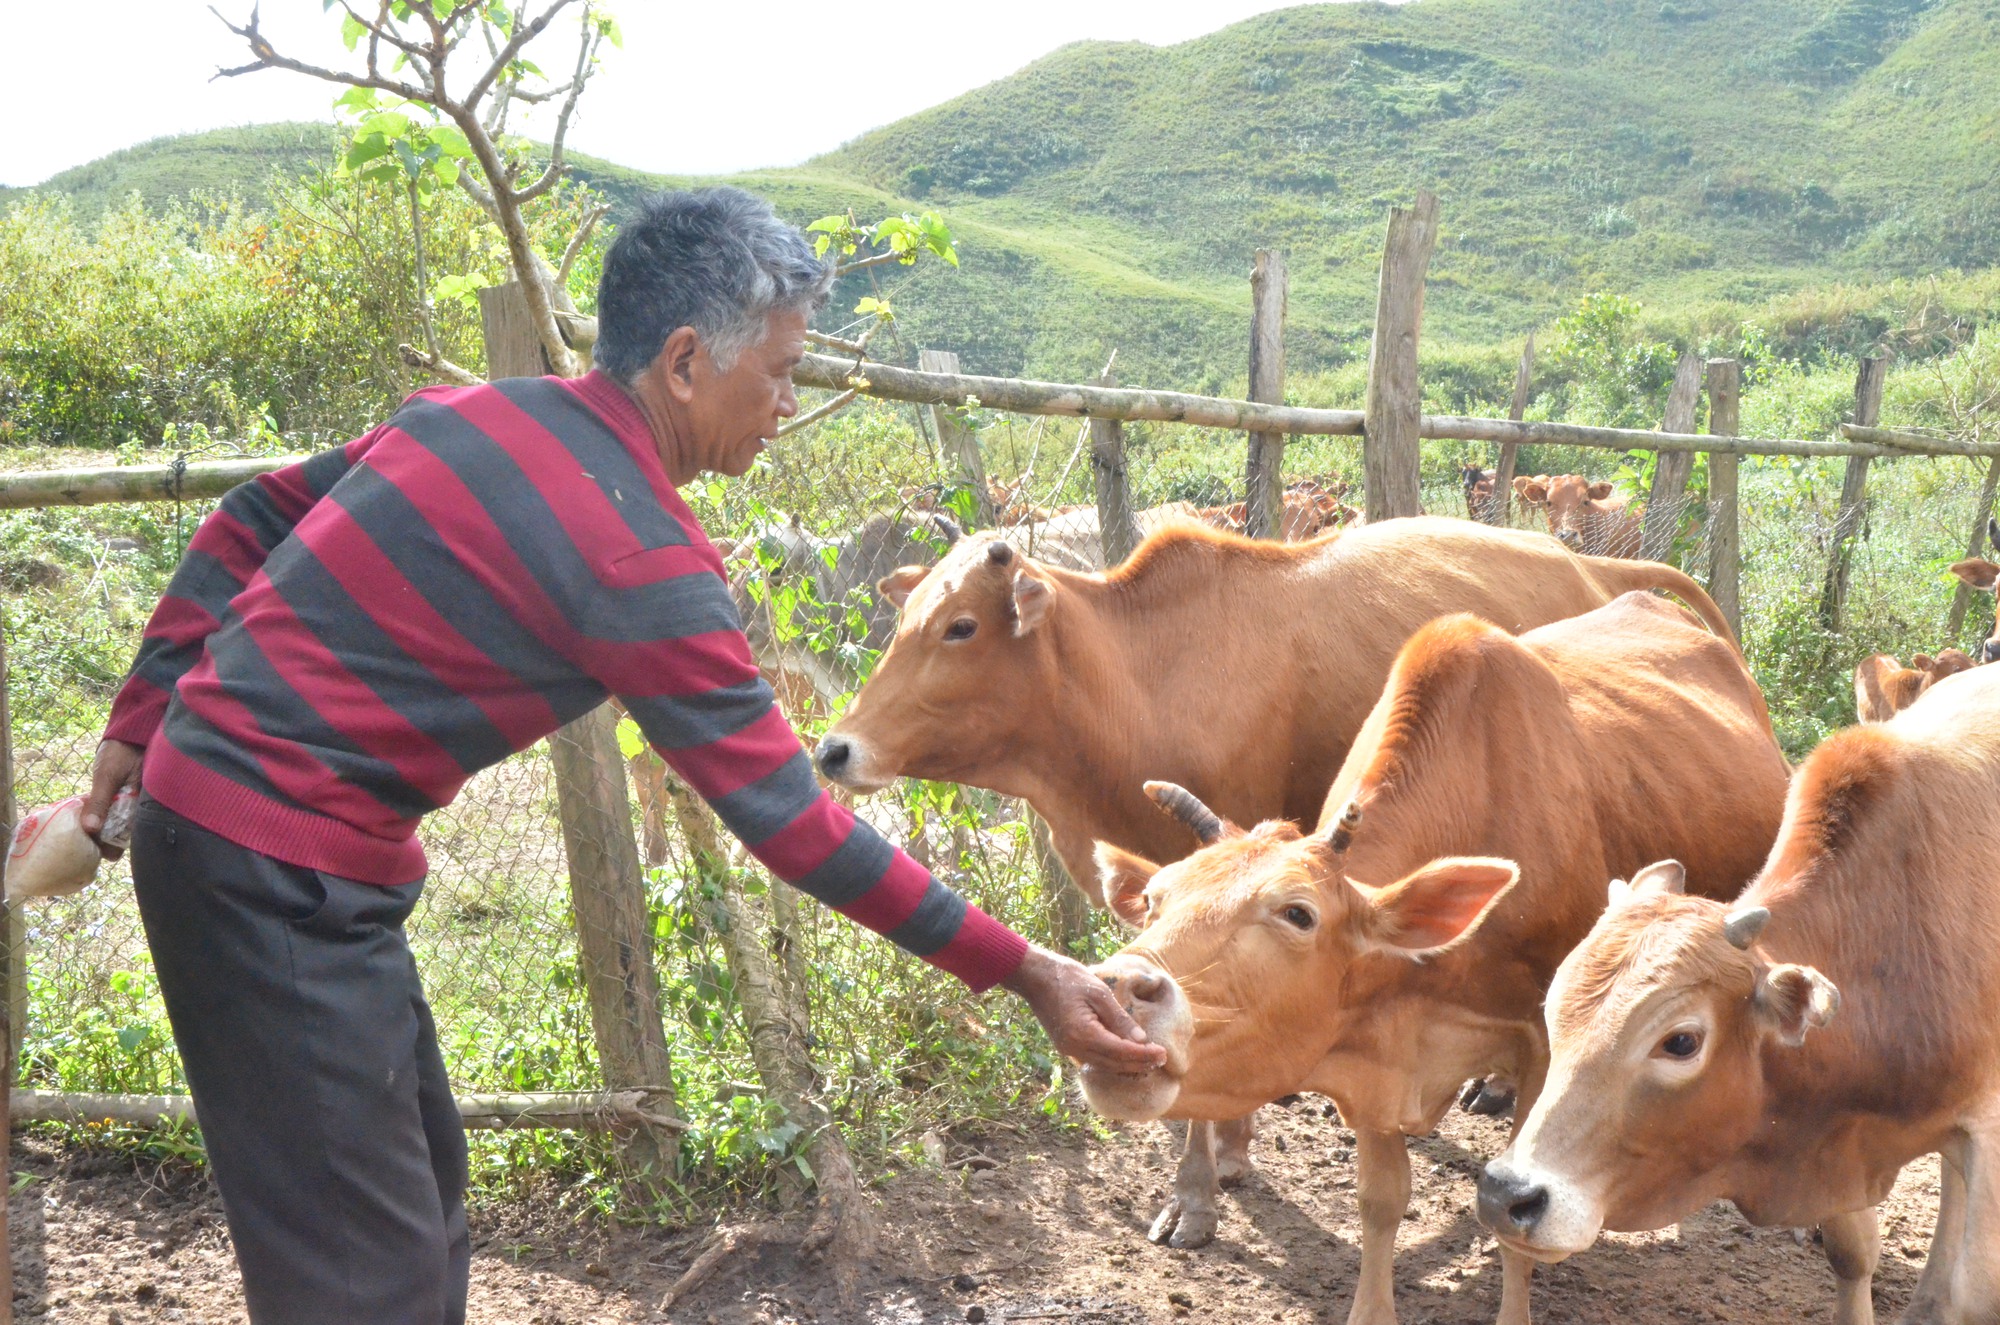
[
  {"x": 1185, "y": 806},
  {"x": 1342, "y": 834},
  {"x": 1742, "y": 927}
]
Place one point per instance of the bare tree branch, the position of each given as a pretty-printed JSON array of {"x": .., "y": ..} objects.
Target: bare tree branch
[
  {"x": 268, "y": 58},
  {"x": 438, "y": 364},
  {"x": 577, "y": 241},
  {"x": 381, "y": 30},
  {"x": 523, "y": 34},
  {"x": 863, "y": 264},
  {"x": 585, "y": 55}
]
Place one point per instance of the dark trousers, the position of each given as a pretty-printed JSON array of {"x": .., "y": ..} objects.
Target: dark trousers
[{"x": 314, "y": 1062}]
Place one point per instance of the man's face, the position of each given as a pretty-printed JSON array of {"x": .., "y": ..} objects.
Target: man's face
[{"x": 731, "y": 415}]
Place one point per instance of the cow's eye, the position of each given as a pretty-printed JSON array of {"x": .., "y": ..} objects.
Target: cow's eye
[
  {"x": 1299, "y": 916},
  {"x": 960, "y": 629},
  {"x": 1681, "y": 1045}
]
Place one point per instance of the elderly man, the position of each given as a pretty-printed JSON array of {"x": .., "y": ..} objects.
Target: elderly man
[{"x": 348, "y": 640}]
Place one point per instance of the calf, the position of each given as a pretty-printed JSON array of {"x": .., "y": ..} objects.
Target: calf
[
  {"x": 1884, "y": 687},
  {"x": 1388, "y": 956},
  {"x": 1478, "y": 484},
  {"x": 1793, "y": 1050},
  {"x": 1983, "y": 574},
  {"x": 1589, "y": 517}
]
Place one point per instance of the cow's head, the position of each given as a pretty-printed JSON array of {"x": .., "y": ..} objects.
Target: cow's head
[
  {"x": 969, "y": 661},
  {"x": 1246, "y": 949},
  {"x": 1566, "y": 501},
  {"x": 1983, "y": 574},
  {"x": 1658, "y": 1023}
]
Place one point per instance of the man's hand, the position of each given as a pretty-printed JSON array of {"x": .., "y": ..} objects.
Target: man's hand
[
  {"x": 117, "y": 768},
  {"x": 1081, "y": 1015}
]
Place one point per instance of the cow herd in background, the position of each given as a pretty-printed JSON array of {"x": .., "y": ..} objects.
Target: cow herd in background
[{"x": 1506, "y": 817}]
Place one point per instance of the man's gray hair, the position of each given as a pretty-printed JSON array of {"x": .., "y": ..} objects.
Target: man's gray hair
[{"x": 718, "y": 260}]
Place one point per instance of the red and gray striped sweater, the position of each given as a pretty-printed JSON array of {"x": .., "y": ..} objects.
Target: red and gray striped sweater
[{"x": 350, "y": 639}]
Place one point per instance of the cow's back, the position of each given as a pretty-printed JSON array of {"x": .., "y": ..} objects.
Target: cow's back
[{"x": 1677, "y": 737}]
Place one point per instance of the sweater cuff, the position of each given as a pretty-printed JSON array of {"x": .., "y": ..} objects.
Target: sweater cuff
[
  {"x": 137, "y": 713},
  {"x": 983, "y": 952}
]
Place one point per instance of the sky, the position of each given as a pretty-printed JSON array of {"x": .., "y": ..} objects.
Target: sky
[{"x": 699, "y": 88}]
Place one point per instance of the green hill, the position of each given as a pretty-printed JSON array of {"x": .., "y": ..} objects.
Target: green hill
[{"x": 1110, "y": 195}]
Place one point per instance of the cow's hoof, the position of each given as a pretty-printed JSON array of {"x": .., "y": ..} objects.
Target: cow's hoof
[
  {"x": 1183, "y": 1224},
  {"x": 1488, "y": 1097}
]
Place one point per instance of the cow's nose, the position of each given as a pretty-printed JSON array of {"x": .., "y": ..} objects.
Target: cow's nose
[
  {"x": 833, "y": 755},
  {"x": 1509, "y": 1203},
  {"x": 1569, "y": 536},
  {"x": 1142, "y": 986},
  {"x": 1992, "y": 650}
]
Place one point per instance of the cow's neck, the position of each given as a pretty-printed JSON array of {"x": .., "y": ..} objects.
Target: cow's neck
[{"x": 1139, "y": 696}]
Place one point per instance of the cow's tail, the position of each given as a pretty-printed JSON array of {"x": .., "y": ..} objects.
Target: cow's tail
[{"x": 1621, "y": 576}]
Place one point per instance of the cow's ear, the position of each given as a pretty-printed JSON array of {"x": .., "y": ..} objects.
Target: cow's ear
[
  {"x": 1977, "y": 572},
  {"x": 1792, "y": 1000},
  {"x": 1522, "y": 484},
  {"x": 1599, "y": 491},
  {"x": 1535, "y": 492},
  {"x": 1437, "y": 905},
  {"x": 1923, "y": 662},
  {"x": 1032, "y": 596},
  {"x": 1121, "y": 879},
  {"x": 1660, "y": 879},
  {"x": 899, "y": 584}
]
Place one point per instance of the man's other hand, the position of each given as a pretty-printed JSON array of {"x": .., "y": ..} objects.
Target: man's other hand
[
  {"x": 1081, "y": 1014},
  {"x": 117, "y": 768}
]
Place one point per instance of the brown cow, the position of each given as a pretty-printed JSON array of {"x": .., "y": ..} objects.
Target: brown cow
[
  {"x": 1884, "y": 687},
  {"x": 1983, "y": 574},
  {"x": 1239, "y": 669},
  {"x": 1793, "y": 1050},
  {"x": 1478, "y": 484},
  {"x": 1590, "y": 517},
  {"x": 1274, "y": 962}
]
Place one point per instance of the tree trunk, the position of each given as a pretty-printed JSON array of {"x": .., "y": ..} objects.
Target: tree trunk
[
  {"x": 1500, "y": 509},
  {"x": 1117, "y": 522},
  {"x": 1667, "y": 502},
  {"x": 1264, "y": 478},
  {"x": 1725, "y": 547},
  {"x": 1975, "y": 546},
  {"x": 776, "y": 1025},
  {"x": 1853, "y": 492},
  {"x": 957, "y": 444},
  {"x": 1394, "y": 405}
]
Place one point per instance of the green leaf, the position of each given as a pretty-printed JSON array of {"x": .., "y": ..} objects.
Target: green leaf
[
  {"x": 131, "y": 1037},
  {"x": 352, "y": 30},
  {"x": 357, "y": 99},
  {"x": 879, "y": 307},
  {"x": 631, "y": 741},
  {"x": 612, "y": 32}
]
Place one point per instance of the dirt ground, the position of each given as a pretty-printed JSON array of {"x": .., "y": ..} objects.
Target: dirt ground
[{"x": 1054, "y": 1233}]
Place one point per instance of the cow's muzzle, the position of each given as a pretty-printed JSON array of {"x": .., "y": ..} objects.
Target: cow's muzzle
[
  {"x": 1153, "y": 999},
  {"x": 1535, "y": 1214},
  {"x": 1991, "y": 653},
  {"x": 844, "y": 760},
  {"x": 1509, "y": 1203}
]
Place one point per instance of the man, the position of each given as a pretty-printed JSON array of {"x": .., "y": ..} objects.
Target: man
[{"x": 350, "y": 639}]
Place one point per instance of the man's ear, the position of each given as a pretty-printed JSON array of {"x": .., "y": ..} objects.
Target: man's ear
[
  {"x": 1032, "y": 596},
  {"x": 1977, "y": 572},
  {"x": 897, "y": 586},
  {"x": 1121, "y": 879},
  {"x": 1599, "y": 491},
  {"x": 1438, "y": 904},
  {"x": 675, "y": 363},
  {"x": 1792, "y": 1000}
]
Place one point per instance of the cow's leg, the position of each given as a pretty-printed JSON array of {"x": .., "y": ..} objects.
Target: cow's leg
[
  {"x": 1232, "y": 1150},
  {"x": 1852, "y": 1247},
  {"x": 1489, "y": 1097},
  {"x": 1973, "y": 1293},
  {"x": 1517, "y": 1270},
  {"x": 1188, "y": 1218},
  {"x": 1382, "y": 1178},
  {"x": 1928, "y": 1302}
]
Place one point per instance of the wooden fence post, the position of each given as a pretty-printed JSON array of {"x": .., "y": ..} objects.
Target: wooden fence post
[
  {"x": 614, "y": 929},
  {"x": 1961, "y": 598},
  {"x": 1853, "y": 492},
  {"x": 1264, "y": 478},
  {"x": 1500, "y": 508},
  {"x": 1725, "y": 547},
  {"x": 1390, "y": 456},
  {"x": 1665, "y": 503},
  {"x": 958, "y": 444},
  {"x": 1117, "y": 524}
]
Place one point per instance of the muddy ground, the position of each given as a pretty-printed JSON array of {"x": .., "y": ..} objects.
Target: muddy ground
[{"x": 1054, "y": 1234}]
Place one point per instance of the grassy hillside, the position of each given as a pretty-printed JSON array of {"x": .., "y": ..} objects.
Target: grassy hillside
[{"x": 1691, "y": 152}]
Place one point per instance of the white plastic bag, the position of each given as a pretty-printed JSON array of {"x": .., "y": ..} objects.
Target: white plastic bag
[{"x": 51, "y": 855}]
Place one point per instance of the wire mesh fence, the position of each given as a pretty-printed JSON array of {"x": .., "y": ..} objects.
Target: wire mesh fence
[{"x": 896, "y": 1047}]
